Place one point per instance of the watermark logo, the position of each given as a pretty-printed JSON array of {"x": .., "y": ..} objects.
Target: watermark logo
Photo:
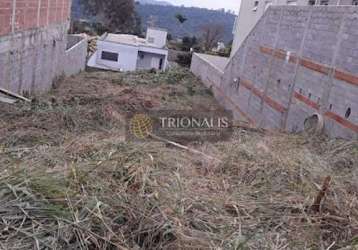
[
  {"x": 141, "y": 126},
  {"x": 176, "y": 125}
]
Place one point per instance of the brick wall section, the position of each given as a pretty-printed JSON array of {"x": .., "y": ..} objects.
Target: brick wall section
[
  {"x": 297, "y": 61},
  {"x": 5, "y": 16},
  {"x": 21, "y": 15}
]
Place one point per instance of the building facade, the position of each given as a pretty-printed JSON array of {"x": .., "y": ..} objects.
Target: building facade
[
  {"x": 121, "y": 52},
  {"x": 252, "y": 10},
  {"x": 34, "y": 48}
]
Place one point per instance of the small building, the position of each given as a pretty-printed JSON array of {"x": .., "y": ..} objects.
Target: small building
[
  {"x": 220, "y": 46},
  {"x": 122, "y": 52}
]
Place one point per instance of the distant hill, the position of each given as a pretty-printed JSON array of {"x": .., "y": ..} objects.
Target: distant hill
[
  {"x": 77, "y": 11},
  {"x": 164, "y": 17},
  {"x": 197, "y": 17},
  {"x": 154, "y": 2}
]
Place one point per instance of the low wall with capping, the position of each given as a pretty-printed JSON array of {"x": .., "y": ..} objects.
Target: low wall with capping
[
  {"x": 297, "y": 62},
  {"x": 75, "y": 55}
]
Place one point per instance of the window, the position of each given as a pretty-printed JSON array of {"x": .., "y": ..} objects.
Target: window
[
  {"x": 312, "y": 2},
  {"x": 256, "y": 6},
  {"x": 109, "y": 56},
  {"x": 355, "y": 2},
  {"x": 324, "y": 2},
  {"x": 291, "y": 2},
  {"x": 150, "y": 39},
  {"x": 141, "y": 55}
]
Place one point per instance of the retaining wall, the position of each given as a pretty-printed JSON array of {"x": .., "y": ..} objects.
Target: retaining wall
[
  {"x": 33, "y": 41},
  {"x": 296, "y": 62},
  {"x": 75, "y": 55}
]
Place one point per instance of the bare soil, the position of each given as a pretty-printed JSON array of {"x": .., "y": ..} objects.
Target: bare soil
[{"x": 69, "y": 180}]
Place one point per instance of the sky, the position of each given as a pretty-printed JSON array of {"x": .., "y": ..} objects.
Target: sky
[{"x": 210, "y": 4}]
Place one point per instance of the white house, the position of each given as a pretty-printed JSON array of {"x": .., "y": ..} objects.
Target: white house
[
  {"x": 220, "y": 46},
  {"x": 252, "y": 10},
  {"x": 122, "y": 52}
]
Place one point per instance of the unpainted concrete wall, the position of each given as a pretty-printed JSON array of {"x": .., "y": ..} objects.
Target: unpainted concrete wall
[
  {"x": 247, "y": 17},
  {"x": 30, "y": 60},
  {"x": 296, "y": 62},
  {"x": 33, "y": 41},
  {"x": 75, "y": 55}
]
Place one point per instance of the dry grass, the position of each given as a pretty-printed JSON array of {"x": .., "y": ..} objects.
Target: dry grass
[{"x": 68, "y": 180}]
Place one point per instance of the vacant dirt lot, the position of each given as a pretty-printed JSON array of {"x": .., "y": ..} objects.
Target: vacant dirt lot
[{"x": 69, "y": 180}]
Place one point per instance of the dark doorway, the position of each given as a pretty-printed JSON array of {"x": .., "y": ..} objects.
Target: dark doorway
[{"x": 161, "y": 63}]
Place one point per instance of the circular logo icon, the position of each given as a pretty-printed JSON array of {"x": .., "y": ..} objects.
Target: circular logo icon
[{"x": 141, "y": 126}]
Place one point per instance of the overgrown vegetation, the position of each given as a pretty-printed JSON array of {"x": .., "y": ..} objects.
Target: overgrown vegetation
[
  {"x": 164, "y": 17},
  {"x": 69, "y": 180},
  {"x": 196, "y": 18},
  {"x": 105, "y": 15}
]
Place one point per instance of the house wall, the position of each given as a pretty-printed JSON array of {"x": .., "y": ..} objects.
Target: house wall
[
  {"x": 298, "y": 61},
  {"x": 150, "y": 61},
  {"x": 159, "y": 52},
  {"x": 158, "y": 36},
  {"x": 127, "y": 60},
  {"x": 33, "y": 38},
  {"x": 248, "y": 18}
]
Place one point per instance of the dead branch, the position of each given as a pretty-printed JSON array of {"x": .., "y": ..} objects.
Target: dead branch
[{"x": 316, "y": 207}]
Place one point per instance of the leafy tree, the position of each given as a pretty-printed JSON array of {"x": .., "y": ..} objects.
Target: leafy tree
[
  {"x": 188, "y": 43},
  {"x": 181, "y": 18},
  {"x": 184, "y": 60},
  {"x": 116, "y": 15},
  {"x": 137, "y": 27},
  {"x": 210, "y": 35}
]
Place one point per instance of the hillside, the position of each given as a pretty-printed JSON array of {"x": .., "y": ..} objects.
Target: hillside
[
  {"x": 70, "y": 180},
  {"x": 154, "y": 2},
  {"x": 197, "y": 17},
  {"x": 165, "y": 18}
]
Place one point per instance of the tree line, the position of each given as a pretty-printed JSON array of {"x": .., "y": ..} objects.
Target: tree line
[{"x": 196, "y": 27}]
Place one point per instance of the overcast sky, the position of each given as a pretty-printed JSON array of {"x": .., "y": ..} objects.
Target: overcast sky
[{"x": 210, "y": 4}]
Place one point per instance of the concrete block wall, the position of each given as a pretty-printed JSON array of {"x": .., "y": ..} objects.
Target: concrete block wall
[
  {"x": 76, "y": 55},
  {"x": 33, "y": 41},
  {"x": 297, "y": 61},
  {"x": 212, "y": 77}
]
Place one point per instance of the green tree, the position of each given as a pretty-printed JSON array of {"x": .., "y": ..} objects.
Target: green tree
[
  {"x": 181, "y": 18},
  {"x": 116, "y": 15},
  {"x": 210, "y": 35},
  {"x": 188, "y": 43}
]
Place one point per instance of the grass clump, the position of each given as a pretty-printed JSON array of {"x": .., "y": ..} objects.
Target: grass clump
[{"x": 70, "y": 180}]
